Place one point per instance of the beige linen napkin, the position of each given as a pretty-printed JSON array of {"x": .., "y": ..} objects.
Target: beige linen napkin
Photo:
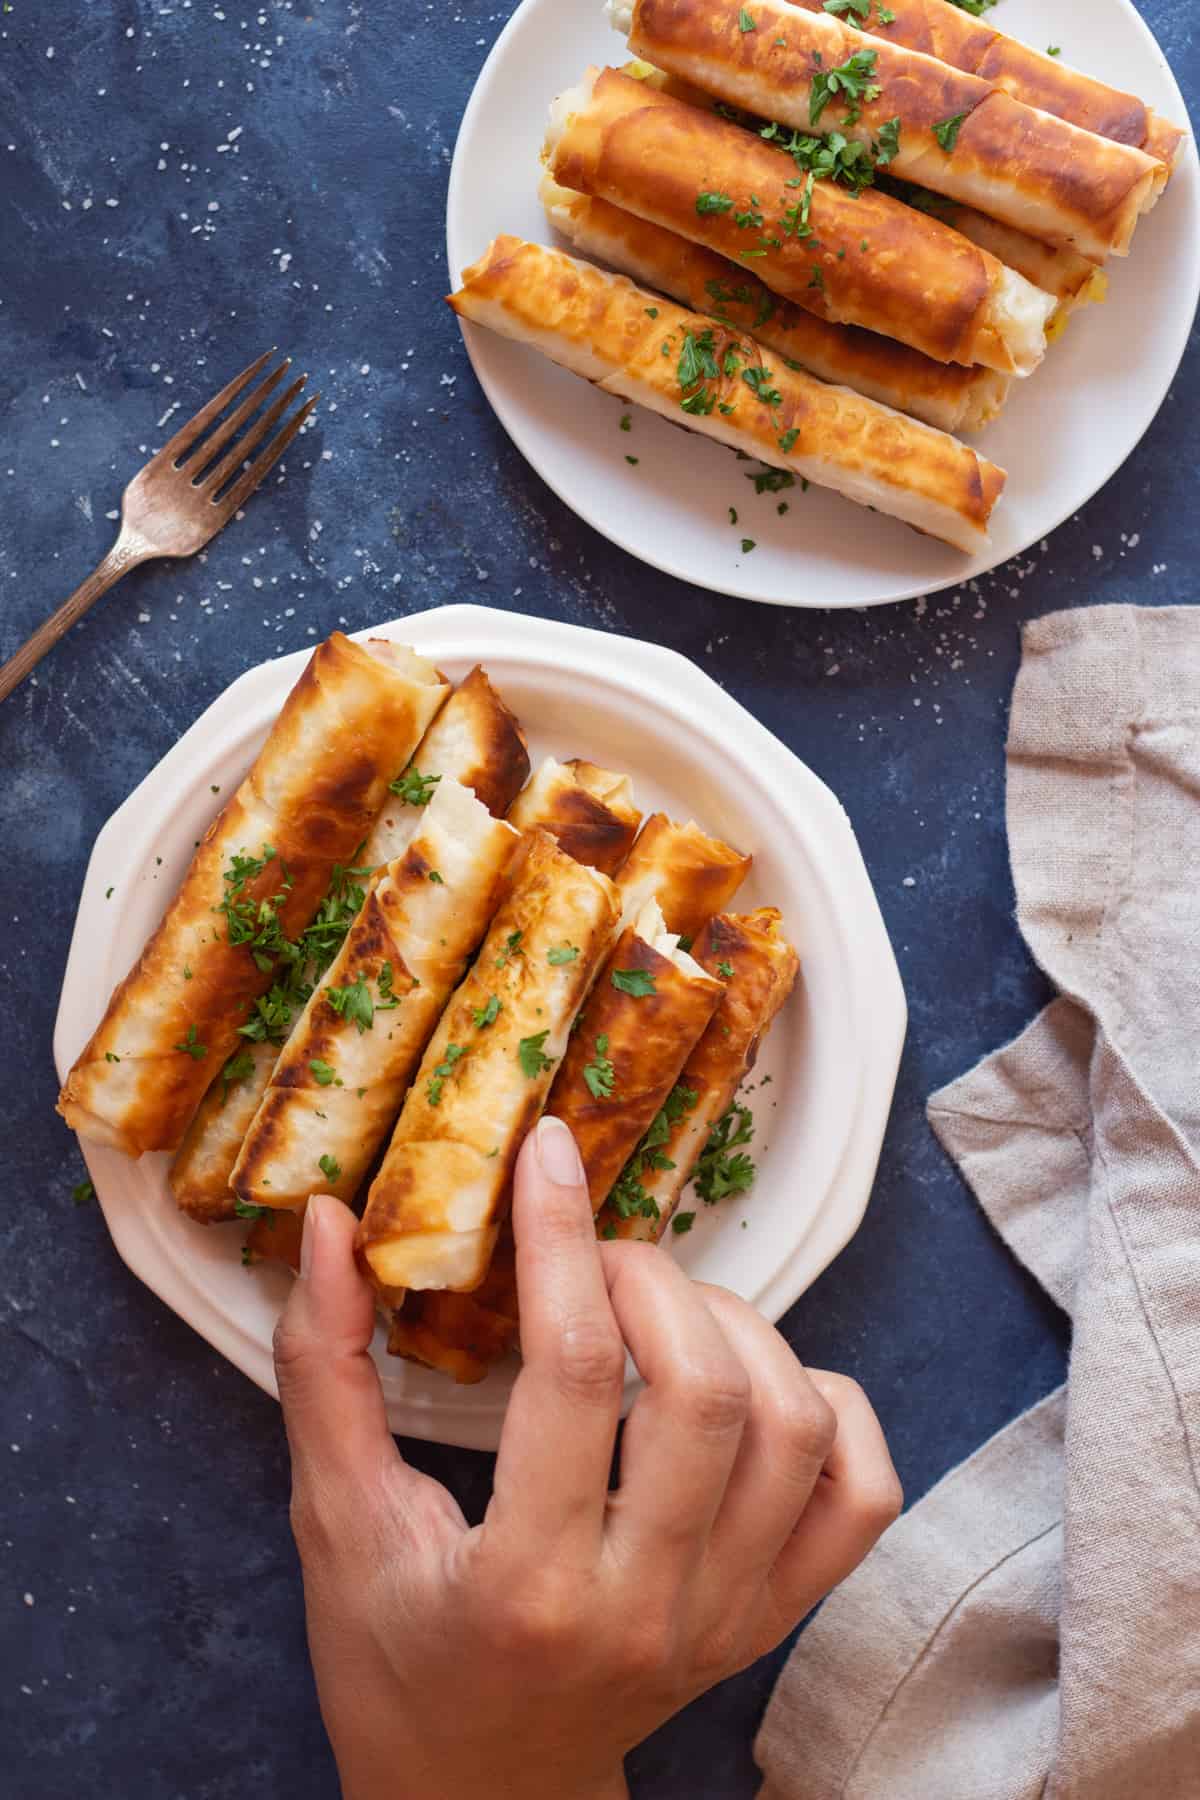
[{"x": 1032, "y": 1627}]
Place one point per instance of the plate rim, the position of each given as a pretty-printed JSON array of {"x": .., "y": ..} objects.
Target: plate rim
[
  {"x": 879, "y": 1009},
  {"x": 519, "y": 426}
]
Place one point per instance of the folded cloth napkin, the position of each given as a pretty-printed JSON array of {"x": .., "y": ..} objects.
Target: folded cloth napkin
[{"x": 1032, "y": 1627}]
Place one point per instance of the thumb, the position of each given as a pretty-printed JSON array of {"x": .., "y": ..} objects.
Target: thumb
[{"x": 329, "y": 1387}]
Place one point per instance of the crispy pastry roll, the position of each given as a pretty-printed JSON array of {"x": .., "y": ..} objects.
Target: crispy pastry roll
[
  {"x": 942, "y": 394},
  {"x": 690, "y": 875},
  {"x": 699, "y": 374},
  {"x": 952, "y": 35},
  {"x": 854, "y": 259},
  {"x": 474, "y": 740},
  {"x": 275, "y": 1237},
  {"x": 312, "y": 796},
  {"x": 588, "y": 811},
  {"x": 341, "y": 1077},
  {"x": 1069, "y": 278},
  {"x": 463, "y": 1335},
  {"x": 763, "y": 969},
  {"x": 951, "y": 131},
  {"x": 199, "y": 1175},
  {"x": 642, "y": 1018},
  {"x": 436, "y": 1205}
]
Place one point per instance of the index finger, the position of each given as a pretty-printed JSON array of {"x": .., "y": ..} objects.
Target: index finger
[{"x": 557, "y": 1445}]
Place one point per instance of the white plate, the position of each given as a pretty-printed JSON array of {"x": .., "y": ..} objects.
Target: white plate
[
  {"x": 832, "y": 1055},
  {"x": 1063, "y": 434}
]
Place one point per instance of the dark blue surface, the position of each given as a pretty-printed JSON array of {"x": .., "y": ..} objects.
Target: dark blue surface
[{"x": 151, "y": 1634}]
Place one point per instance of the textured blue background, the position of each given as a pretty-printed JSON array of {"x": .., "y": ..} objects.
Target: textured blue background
[{"x": 181, "y": 185}]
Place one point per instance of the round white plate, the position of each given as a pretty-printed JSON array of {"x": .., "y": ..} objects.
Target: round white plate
[
  {"x": 1065, "y": 431},
  {"x": 832, "y": 1055}
]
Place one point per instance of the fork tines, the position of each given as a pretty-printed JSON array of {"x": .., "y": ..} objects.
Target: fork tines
[{"x": 186, "y": 451}]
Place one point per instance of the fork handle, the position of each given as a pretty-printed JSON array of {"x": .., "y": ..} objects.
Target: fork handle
[{"x": 128, "y": 551}]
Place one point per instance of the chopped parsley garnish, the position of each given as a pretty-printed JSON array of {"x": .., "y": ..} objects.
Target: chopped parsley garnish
[
  {"x": 323, "y": 1073},
  {"x": 353, "y": 1002},
  {"x": 750, "y": 220},
  {"x": 599, "y": 1073},
  {"x": 414, "y": 788},
  {"x": 707, "y": 202},
  {"x": 245, "y": 1209},
  {"x": 697, "y": 361},
  {"x": 786, "y": 441},
  {"x": 725, "y": 971},
  {"x": 651, "y": 312},
  {"x": 239, "y": 1067},
  {"x": 702, "y": 401},
  {"x": 1053, "y": 49},
  {"x": 816, "y": 279},
  {"x": 558, "y": 954},
  {"x": 531, "y": 1055},
  {"x": 745, "y": 22},
  {"x": 682, "y": 1223},
  {"x": 888, "y": 142},
  {"x": 636, "y": 982},
  {"x": 255, "y": 923},
  {"x": 724, "y": 1168},
  {"x": 976, "y": 8},
  {"x": 388, "y": 999},
  {"x": 853, "y": 80},
  {"x": 512, "y": 947},
  {"x": 248, "y": 1257},
  {"x": 947, "y": 132},
  {"x": 629, "y": 1197},
  {"x": 435, "y": 877},
  {"x": 436, "y": 1082},
  {"x": 329, "y": 1166},
  {"x": 860, "y": 8},
  {"x": 733, "y": 515},
  {"x": 111, "y": 1056},
  {"x": 626, "y": 422},
  {"x": 748, "y": 544},
  {"x": 190, "y": 1047},
  {"x": 686, "y": 941},
  {"x": 82, "y": 1193},
  {"x": 487, "y": 1014},
  {"x": 633, "y": 461}
]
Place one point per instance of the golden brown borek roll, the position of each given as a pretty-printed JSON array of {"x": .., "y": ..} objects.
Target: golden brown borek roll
[
  {"x": 462, "y": 1335},
  {"x": 342, "y": 1075},
  {"x": 312, "y": 796},
  {"x": 437, "y": 1203},
  {"x": 697, "y": 373},
  {"x": 588, "y": 811},
  {"x": 474, "y": 740},
  {"x": 690, "y": 875},
  {"x": 199, "y": 1175},
  {"x": 764, "y": 968},
  {"x": 860, "y": 259},
  {"x": 643, "y": 1016},
  {"x": 957, "y": 133},
  {"x": 942, "y": 394},
  {"x": 955, "y": 37},
  {"x": 1069, "y": 278}
]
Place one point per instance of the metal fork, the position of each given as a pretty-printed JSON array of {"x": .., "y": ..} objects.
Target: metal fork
[{"x": 175, "y": 504}]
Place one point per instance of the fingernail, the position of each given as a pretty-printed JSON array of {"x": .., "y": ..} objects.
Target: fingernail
[
  {"x": 557, "y": 1153},
  {"x": 308, "y": 1237}
]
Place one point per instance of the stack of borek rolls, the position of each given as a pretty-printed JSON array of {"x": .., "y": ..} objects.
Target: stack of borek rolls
[
  {"x": 900, "y": 202},
  {"x": 655, "y": 1012}
]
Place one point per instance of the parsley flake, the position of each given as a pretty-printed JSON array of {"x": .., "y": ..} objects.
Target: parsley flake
[
  {"x": 190, "y": 1047},
  {"x": 558, "y": 954},
  {"x": 436, "y": 1082},
  {"x": 323, "y": 1073},
  {"x": 487, "y": 1014},
  {"x": 414, "y": 788},
  {"x": 329, "y": 1166},
  {"x": 353, "y": 1002},
  {"x": 947, "y": 132},
  {"x": 599, "y": 1074},
  {"x": 682, "y": 1223},
  {"x": 635, "y": 982},
  {"x": 531, "y": 1055}
]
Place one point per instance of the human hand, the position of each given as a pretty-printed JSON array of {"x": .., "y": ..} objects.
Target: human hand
[{"x": 525, "y": 1656}]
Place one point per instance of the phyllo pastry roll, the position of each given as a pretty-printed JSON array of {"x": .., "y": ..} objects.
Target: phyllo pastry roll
[
  {"x": 690, "y": 875},
  {"x": 310, "y": 799},
  {"x": 942, "y": 394},
  {"x": 437, "y": 1203},
  {"x": 855, "y": 259},
  {"x": 758, "y": 969},
  {"x": 462, "y": 1335},
  {"x": 699, "y": 374},
  {"x": 588, "y": 811},
  {"x": 199, "y": 1175},
  {"x": 341, "y": 1077},
  {"x": 642, "y": 1018},
  {"x": 475, "y": 740},
  {"x": 961, "y": 38},
  {"x": 952, "y": 131}
]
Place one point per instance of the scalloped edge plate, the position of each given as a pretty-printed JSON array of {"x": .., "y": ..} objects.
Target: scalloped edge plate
[{"x": 831, "y": 1059}]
